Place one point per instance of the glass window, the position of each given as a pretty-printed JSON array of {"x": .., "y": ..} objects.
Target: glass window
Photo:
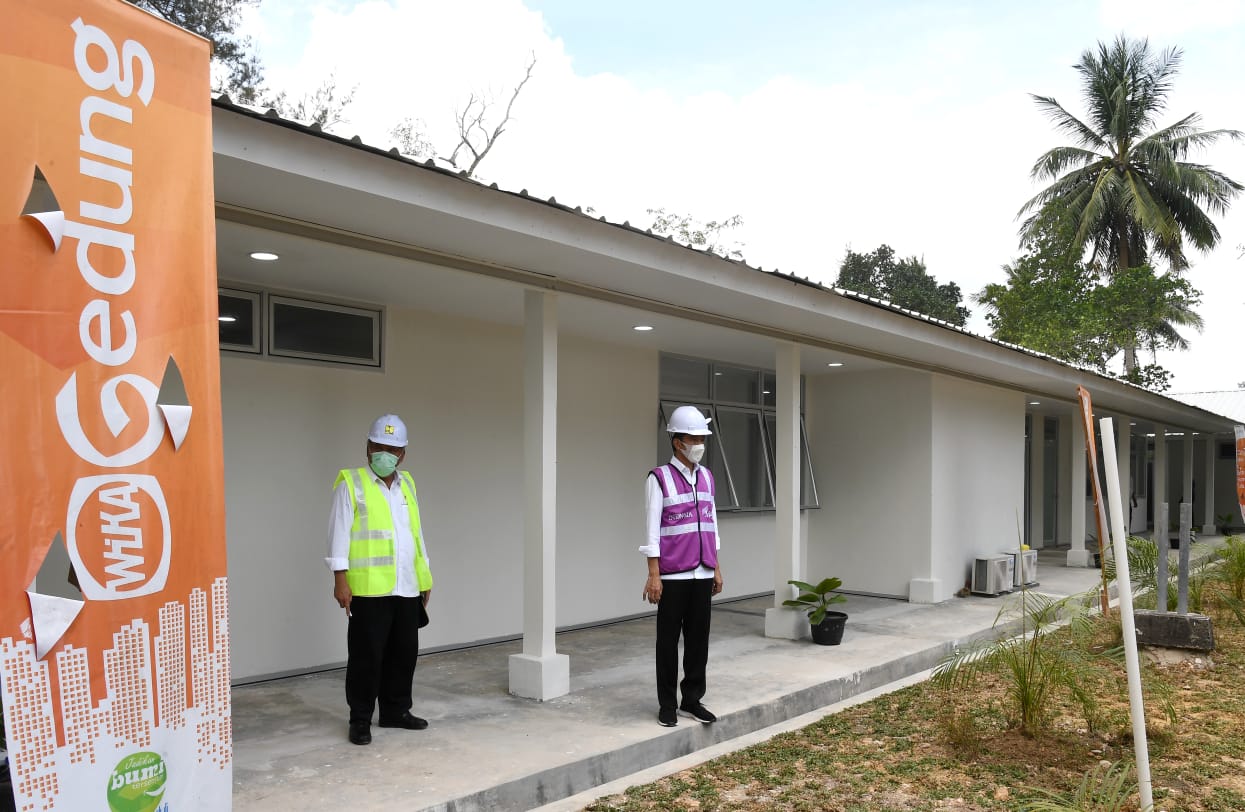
[
  {"x": 736, "y": 385},
  {"x": 238, "y": 319},
  {"x": 684, "y": 378},
  {"x": 724, "y": 495},
  {"x": 808, "y": 488},
  {"x": 742, "y": 443},
  {"x": 303, "y": 329}
]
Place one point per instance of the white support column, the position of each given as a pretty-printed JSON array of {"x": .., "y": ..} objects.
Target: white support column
[
  {"x": 790, "y": 624},
  {"x": 1078, "y": 556},
  {"x": 540, "y": 672},
  {"x": 1208, "y": 486},
  {"x": 1037, "y": 479},
  {"x": 1160, "y": 495},
  {"x": 1186, "y": 470},
  {"x": 1065, "y": 455},
  {"x": 1124, "y": 464}
]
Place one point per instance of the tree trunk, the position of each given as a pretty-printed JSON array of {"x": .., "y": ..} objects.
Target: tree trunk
[{"x": 1130, "y": 358}]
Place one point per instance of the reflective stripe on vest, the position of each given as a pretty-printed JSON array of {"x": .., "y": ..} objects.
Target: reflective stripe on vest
[
  {"x": 372, "y": 568},
  {"x": 688, "y": 528}
]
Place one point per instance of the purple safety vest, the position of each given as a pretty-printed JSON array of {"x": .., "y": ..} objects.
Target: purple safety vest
[{"x": 689, "y": 533}]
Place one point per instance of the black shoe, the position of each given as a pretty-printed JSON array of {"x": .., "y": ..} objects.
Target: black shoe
[
  {"x": 699, "y": 712},
  {"x": 360, "y": 733},
  {"x": 666, "y": 717},
  {"x": 406, "y": 721}
]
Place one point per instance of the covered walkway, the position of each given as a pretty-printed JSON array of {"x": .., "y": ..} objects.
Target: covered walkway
[{"x": 486, "y": 749}]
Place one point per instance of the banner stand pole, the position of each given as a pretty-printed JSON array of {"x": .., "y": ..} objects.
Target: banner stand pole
[{"x": 1124, "y": 584}]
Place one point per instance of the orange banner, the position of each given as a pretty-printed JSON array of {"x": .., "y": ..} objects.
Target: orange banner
[
  {"x": 1100, "y": 510},
  {"x": 1240, "y": 469},
  {"x": 115, "y": 689}
]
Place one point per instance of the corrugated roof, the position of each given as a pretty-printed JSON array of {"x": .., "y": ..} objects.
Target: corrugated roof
[
  {"x": 356, "y": 142},
  {"x": 1228, "y": 402}
]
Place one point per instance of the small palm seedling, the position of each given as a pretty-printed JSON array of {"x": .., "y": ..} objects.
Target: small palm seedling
[{"x": 1106, "y": 788}]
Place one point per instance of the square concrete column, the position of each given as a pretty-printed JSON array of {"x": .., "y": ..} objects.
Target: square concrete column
[
  {"x": 1037, "y": 479},
  {"x": 790, "y": 624},
  {"x": 1078, "y": 556},
  {"x": 540, "y": 672},
  {"x": 1124, "y": 464},
  {"x": 1065, "y": 453},
  {"x": 1208, "y": 485},
  {"x": 1160, "y": 495},
  {"x": 1186, "y": 471}
]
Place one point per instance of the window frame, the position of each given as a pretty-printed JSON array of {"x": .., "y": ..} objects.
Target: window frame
[
  {"x": 762, "y": 409},
  {"x": 256, "y": 347},
  {"x": 375, "y": 314}
]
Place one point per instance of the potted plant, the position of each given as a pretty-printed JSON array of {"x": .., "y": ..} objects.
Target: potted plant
[
  {"x": 1224, "y": 520},
  {"x": 827, "y": 626}
]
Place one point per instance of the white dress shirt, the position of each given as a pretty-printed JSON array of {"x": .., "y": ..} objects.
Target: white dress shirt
[
  {"x": 652, "y": 519},
  {"x": 341, "y": 518}
]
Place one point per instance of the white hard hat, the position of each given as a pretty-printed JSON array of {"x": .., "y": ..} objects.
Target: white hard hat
[
  {"x": 688, "y": 420},
  {"x": 388, "y": 430}
]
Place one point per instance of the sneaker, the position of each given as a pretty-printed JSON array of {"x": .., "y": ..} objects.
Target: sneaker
[
  {"x": 666, "y": 717},
  {"x": 700, "y": 713}
]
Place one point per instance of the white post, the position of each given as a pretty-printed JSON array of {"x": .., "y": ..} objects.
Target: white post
[
  {"x": 789, "y": 624},
  {"x": 1160, "y": 494},
  {"x": 1078, "y": 556},
  {"x": 1120, "y": 541},
  {"x": 1208, "y": 486},
  {"x": 1037, "y": 483},
  {"x": 540, "y": 672}
]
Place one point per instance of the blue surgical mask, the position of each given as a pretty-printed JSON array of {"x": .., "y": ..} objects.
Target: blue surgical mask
[{"x": 384, "y": 463}]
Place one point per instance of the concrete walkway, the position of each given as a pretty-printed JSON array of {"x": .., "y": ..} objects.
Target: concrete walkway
[{"x": 487, "y": 750}]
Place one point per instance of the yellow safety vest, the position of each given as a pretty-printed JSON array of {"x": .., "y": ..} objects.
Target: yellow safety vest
[{"x": 373, "y": 568}]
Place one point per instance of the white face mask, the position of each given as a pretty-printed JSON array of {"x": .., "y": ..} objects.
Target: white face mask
[{"x": 695, "y": 453}]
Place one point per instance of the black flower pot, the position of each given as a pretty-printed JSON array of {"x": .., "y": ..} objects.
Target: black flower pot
[{"x": 829, "y": 632}]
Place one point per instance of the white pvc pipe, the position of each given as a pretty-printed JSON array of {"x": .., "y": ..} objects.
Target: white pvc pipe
[{"x": 1123, "y": 580}]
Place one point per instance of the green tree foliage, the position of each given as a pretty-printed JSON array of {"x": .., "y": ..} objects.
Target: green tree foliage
[
  {"x": 1066, "y": 308},
  {"x": 217, "y": 21},
  {"x": 1125, "y": 181},
  {"x": 903, "y": 282},
  {"x": 707, "y": 236}
]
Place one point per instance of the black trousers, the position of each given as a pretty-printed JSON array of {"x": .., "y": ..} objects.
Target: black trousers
[
  {"x": 382, "y": 644},
  {"x": 683, "y": 609}
]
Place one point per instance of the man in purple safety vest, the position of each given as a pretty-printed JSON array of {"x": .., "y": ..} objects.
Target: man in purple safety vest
[{"x": 683, "y": 572}]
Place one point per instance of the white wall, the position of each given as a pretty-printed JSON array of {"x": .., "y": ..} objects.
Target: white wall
[
  {"x": 289, "y": 427},
  {"x": 869, "y": 437},
  {"x": 978, "y": 476}
]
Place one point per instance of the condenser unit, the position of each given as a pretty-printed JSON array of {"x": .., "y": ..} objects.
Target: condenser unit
[
  {"x": 1024, "y": 567},
  {"x": 993, "y": 575}
]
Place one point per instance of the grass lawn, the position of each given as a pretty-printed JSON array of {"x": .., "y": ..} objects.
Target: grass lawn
[{"x": 923, "y": 748}]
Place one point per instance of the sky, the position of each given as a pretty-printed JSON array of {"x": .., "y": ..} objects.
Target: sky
[{"x": 826, "y": 126}]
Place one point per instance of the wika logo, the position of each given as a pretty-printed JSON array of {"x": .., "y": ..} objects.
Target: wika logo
[
  {"x": 118, "y": 535},
  {"x": 137, "y": 783}
]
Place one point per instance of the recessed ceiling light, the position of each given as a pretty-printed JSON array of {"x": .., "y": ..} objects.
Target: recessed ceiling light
[
  {"x": 642, "y": 328},
  {"x": 1035, "y": 403},
  {"x": 835, "y": 364},
  {"x": 1132, "y": 424},
  {"x": 264, "y": 256},
  {"x": 226, "y": 318},
  {"x": 765, "y": 391}
]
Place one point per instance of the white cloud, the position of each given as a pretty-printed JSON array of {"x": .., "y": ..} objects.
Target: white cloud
[{"x": 937, "y": 167}]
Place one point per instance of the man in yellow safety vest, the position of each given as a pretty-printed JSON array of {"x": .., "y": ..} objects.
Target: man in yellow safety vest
[{"x": 381, "y": 578}]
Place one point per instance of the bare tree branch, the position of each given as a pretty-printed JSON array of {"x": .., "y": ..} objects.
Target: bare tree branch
[{"x": 473, "y": 134}]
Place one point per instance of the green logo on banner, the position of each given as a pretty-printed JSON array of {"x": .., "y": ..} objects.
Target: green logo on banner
[{"x": 137, "y": 783}]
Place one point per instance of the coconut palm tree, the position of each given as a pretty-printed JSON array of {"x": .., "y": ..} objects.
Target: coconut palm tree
[{"x": 1125, "y": 181}]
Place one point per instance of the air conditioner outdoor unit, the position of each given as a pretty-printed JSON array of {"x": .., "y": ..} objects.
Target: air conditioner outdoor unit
[
  {"x": 993, "y": 575},
  {"x": 1024, "y": 567}
]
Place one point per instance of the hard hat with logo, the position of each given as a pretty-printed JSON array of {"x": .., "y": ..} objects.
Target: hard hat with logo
[
  {"x": 688, "y": 420},
  {"x": 388, "y": 430}
]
